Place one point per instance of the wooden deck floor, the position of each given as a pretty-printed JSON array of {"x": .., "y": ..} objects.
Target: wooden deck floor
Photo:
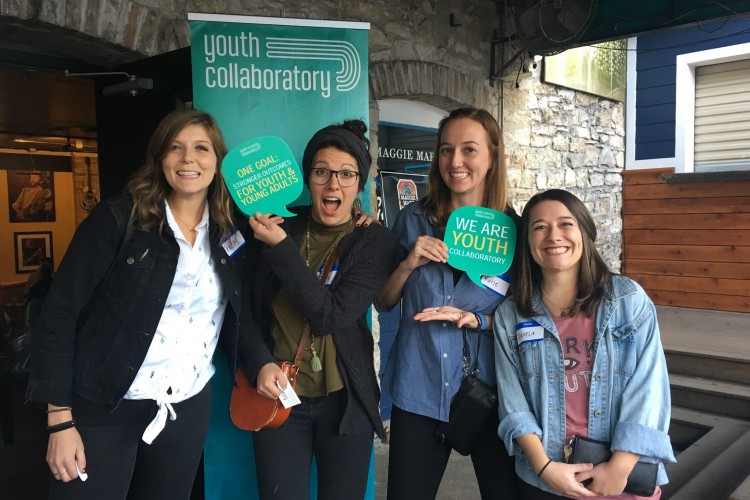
[{"x": 714, "y": 333}]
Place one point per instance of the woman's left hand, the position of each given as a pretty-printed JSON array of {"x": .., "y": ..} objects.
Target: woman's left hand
[
  {"x": 362, "y": 218},
  {"x": 448, "y": 313},
  {"x": 608, "y": 480},
  {"x": 266, "y": 228}
]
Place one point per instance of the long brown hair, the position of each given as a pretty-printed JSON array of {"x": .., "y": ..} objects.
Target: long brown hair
[
  {"x": 436, "y": 204},
  {"x": 593, "y": 273},
  {"x": 149, "y": 188}
]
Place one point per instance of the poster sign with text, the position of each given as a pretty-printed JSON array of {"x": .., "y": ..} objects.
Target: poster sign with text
[
  {"x": 396, "y": 190},
  {"x": 263, "y": 77},
  {"x": 482, "y": 242},
  {"x": 288, "y": 78}
]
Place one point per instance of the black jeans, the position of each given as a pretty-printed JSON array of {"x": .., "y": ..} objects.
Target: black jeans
[
  {"x": 417, "y": 459},
  {"x": 283, "y": 456},
  {"x": 120, "y": 465}
]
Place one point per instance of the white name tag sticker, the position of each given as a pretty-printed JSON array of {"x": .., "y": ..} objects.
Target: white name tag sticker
[
  {"x": 287, "y": 397},
  {"x": 234, "y": 242},
  {"x": 529, "y": 331},
  {"x": 498, "y": 284}
]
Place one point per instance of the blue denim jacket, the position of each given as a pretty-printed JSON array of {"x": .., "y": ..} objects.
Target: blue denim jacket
[
  {"x": 629, "y": 403},
  {"x": 425, "y": 365}
]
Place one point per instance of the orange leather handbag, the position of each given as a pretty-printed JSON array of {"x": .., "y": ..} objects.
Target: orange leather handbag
[
  {"x": 252, "y": 411},
  {"x": 249, "y": 410}
]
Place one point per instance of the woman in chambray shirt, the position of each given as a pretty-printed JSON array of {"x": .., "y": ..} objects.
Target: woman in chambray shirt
[
  {"x": 425, "y": 365},
  {"x": 577, "y": 352}
]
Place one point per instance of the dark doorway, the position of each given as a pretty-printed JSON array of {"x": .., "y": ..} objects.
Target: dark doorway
[{"x": 125, "y": 122}]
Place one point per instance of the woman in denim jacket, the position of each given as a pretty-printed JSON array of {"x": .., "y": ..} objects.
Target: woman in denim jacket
[{"x": 577, "y": 352}]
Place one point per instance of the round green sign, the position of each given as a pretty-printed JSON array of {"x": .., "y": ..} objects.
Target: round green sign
[
  {"x": 262, "y": 176},
  {"x": 481, "y": 241}
]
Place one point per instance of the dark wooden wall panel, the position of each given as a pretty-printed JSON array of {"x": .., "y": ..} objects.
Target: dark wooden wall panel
[{"x": 688, "y": 244}]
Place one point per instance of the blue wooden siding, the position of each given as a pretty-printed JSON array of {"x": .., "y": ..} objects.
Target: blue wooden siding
[{"x": 655, "y": 88}]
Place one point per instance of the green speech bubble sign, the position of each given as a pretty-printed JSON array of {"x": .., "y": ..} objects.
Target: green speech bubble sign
[
  {"x": 262, "y": 176},
  {"x": 481, "y": 241}
]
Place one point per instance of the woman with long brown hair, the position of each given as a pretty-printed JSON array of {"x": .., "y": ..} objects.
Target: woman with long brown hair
[
  {"x": 578, "y": 355},
  {"x": 122, "y": 350}
]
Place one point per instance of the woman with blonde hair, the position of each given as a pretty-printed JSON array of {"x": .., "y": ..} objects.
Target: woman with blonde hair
[{"x": 425, "y": 365}]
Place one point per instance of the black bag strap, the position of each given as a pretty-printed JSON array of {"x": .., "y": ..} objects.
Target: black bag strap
[{"x": 470, "y": 369}]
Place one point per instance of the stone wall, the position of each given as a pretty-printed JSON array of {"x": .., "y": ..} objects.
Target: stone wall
[
  {"x": 559, "y": 138},
  {"x": 410, "y": 30}
]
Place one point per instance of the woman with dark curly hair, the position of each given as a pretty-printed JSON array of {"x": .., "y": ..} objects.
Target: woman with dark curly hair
[{"x": 336, "y": 379}]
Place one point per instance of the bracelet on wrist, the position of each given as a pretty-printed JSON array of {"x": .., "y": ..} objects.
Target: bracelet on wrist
[
  {"x": 539, "y": 474},
  {"x": 61, "y": 427},
  {"x": 62, "y": 408},
  {"x": 481, "y": 321}
]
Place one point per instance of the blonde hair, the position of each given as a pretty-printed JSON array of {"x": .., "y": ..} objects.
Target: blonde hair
[{"x": 436, "y": 204}]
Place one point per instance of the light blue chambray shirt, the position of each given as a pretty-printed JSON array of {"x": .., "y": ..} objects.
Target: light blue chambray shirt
[
  {"x": 425, "y": 366},
  {"x": 629, "y": 403}
]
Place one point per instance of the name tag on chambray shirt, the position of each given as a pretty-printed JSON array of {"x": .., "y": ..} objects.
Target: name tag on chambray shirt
[
  {"x": 529, "y": 331},
  {"x": 233, "y": 242},
  {"x": 498, "y": 284}
]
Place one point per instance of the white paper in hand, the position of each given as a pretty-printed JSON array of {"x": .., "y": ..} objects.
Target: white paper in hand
[
  {"x": 288, "y": 397},
  {"x": 82, "y": 475}
]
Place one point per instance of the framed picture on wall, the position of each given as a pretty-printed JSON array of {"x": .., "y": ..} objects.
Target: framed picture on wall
[
  {"x": 31, "y": 247},
  {"x": 31, "y": 196},
  {"x": 597, "y": 69}
]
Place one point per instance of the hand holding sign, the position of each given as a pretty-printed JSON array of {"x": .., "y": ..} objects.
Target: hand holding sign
[
  {"x": 262, "y": 176},
  {"x": 482, "y": 242}
]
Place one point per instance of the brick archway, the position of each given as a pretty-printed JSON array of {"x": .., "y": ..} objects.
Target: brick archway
[
  {"x": 432, "y": 84},
  {"x": 104, "y": 34}
]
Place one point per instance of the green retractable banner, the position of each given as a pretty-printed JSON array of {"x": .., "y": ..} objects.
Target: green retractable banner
[{"x": 280, "y": 78}]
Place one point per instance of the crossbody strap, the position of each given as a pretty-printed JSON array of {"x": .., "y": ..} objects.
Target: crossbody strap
[
  {"x": 470, "y": 369},
  {"x": 304, "y": 341}
]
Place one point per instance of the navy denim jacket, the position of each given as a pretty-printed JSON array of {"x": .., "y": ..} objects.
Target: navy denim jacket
[
  {"x": 629, "y": 403},
  {"x": 99, "y": 317}
]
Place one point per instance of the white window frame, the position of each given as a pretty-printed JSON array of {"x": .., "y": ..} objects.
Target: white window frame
[
  {"x": 630, "y": 162},
  {"x": 685, "y": 98}
]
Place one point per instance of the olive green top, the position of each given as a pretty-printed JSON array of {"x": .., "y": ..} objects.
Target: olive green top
[{"x": 287, "y": 330}]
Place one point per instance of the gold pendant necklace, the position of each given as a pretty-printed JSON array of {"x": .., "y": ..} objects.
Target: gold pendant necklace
[
  {"x": 563, "y": 310},
  {"x": 315, "y": 364},
  {"x": 180, "y": 221}
]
